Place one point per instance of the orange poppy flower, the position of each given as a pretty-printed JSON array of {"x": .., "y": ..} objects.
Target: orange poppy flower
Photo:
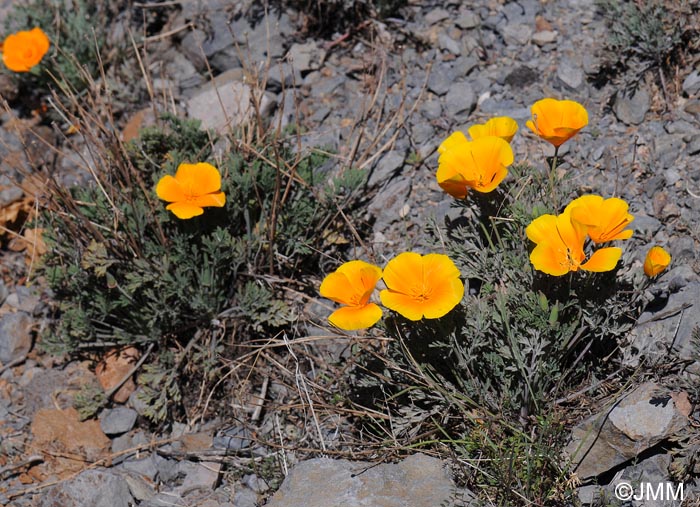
[
  {"x": 455, "y": 139},
  {"x": 656, "y": 261},
  {"x": 605, "y": 219},
  {"x": 557, "y": 121},
  {"x": 421, "y": 285},
  {"x": 500, "y": 126},
  {"x": 559, "y": 244},
  {"x": 195, "y": 186},
  {"x": 479, "y": 165},
  {"x": 352, "y": 285},
  {"x": 23, "y": 50}
]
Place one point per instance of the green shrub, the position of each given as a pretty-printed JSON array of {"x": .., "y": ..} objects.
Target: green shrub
[{"x": 127, "y": 272}]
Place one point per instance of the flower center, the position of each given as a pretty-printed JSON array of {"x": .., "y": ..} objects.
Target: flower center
[{"x": 421, "y": 294}]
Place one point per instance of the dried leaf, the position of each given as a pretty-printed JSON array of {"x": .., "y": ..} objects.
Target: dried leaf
[{"x": 114, "y": 367}]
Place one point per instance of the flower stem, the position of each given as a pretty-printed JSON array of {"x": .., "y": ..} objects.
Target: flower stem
[{"x": 552, "y": 178}]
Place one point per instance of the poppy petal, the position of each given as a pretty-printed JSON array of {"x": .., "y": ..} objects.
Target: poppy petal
[
  {"x": 404, "y": 273},
  {"x": 656, "y": 261},
  {"x": 443, "y": 298},
  {"x": 184, "y": 210},
  {"x": 604, "y": 259},
  {"x": 455, "y": 139},
  {"x": 542, "y": 228},
  {"x": 337, "y": 287},
  {"x": 199, "y": 179},
  {"x": 403, "y": 304},
  {"x": 451, "y": 181},
  {"x": 169, "y": 189},
  {"x": 217, "y": 200},
  {"x": 551, "y": 258},
  {"x": 351, "y": 318}
]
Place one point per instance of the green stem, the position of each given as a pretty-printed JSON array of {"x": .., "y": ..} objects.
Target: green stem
[{"x": 552, "y": 177}]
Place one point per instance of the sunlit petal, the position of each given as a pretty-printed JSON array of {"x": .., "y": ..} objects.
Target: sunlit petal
[
  {"x": 551, "y": 258},
  {"x": 542, "y": 228},
  {"x": 604, "y": 259},
  {"x": 451, "y": 181},
  {"x": 557, "y": 121},
  {"x": 500, "y": 126},
  {"x": 169, "y": 189},
  {"x": 444, "y": 297},
  {"x": 656, "y": 261},
  {"x": 404, "y": 273},
  {"x": 351, "y": 318},
  {"x": 455, "y": 139},
  {"x": 200, "y": 178},
  {"x": 184, "y": 210},
  {"x": 402, "y": 304},
  {"x": 216, "y": 200},
  {"x": 491, "y": 156}
]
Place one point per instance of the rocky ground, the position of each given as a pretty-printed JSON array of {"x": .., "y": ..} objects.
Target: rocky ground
[{"x": 382, "y": 97}]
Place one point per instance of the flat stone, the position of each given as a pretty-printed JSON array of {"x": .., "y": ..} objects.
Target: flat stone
[
  {"x": 15, "y": 336},
  {"x": 631, "y": 110},
  {"x": 691, "y": 84},
  {"x": 667, "y": 149},
  {"x": 198, "y": 475},
  {"x": 225, "y": 103},
  {"x": 570, "y": 73},
  {"x": 418, "y": 481},
  {"x": 468, "y": 19},
  {"x": 306, "y": 57},
  {"x": 118, "y": 420},
  {"x": 516, "y": 34},
  {"x": 544, "y": 37},
  {"x": 95, "y": 488},
  {"x": 436, "y": 15},
  {"x": 447, "y": 43},
  {"x": 460, "y": 99},
  {"x": 640, "y": 420},
  {"x": 385, "y": 169}
]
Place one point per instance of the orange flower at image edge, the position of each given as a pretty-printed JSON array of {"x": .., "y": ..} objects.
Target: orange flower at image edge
[
  {"x": 557, "y": 121},
  {"x": 421, "y": 285},
  {"x": 194, "y": 187},
  {"x": 352, "y": 285},
  {"x": 656, "y": 261},
  {"x": 23, "y": 50}
]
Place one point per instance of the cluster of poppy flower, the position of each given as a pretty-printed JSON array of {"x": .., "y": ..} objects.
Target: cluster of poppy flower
[
  {"x": 481, "y": 164},
  {"x": 417, "y": 286},
  {"x": 23, "y": 50}
]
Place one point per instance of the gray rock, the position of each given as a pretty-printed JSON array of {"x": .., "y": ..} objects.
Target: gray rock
[
  {"x": 418, "y": 481},
  {"x": 245, "y": 497},
  {"x": 23, "y": 299},
  {"x": 4, "y": 292},
  {"x": 521, "y": 76},
  {"x": 653, "y": 337},
  {"x": 691, "y": 84},
  {"x": 544, "y": 37},
  {"x": 436, "y": 15},
  {"x": 386, "y": 167},
  {"x": 683, "y": 250},
  {"x": 235, "y": 438},
  {"x": 255, "y": 483},
  {"x": 667, "y": 149},
  {"x": 15, "y": 336},
  {"x": 95, "y": 488},
  {"x": 283, "y": 75},
  {"x": 468, "y": 19},
  {"x": 165, "y": 499},
  {"x": 198, "y": 475},
  {"x": 140, "y": 489},
  {"x": 640, "y": 420},
  {"x": 516, "y": 34},
  {"x": 570, "y": 73},
  {"x": 307, "y": 56},
  {"x": 694, "y": 145},
  {"x": 447, "y": 43},
  {"x": 147, "y": 467},
  {"x": 631, "y": 110},
  {"x": 225, "y": 103},
  {"x": 441, "y": 78},
  {"x": 460, "y": 100},
  {"x": 118, "y": 420}
]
